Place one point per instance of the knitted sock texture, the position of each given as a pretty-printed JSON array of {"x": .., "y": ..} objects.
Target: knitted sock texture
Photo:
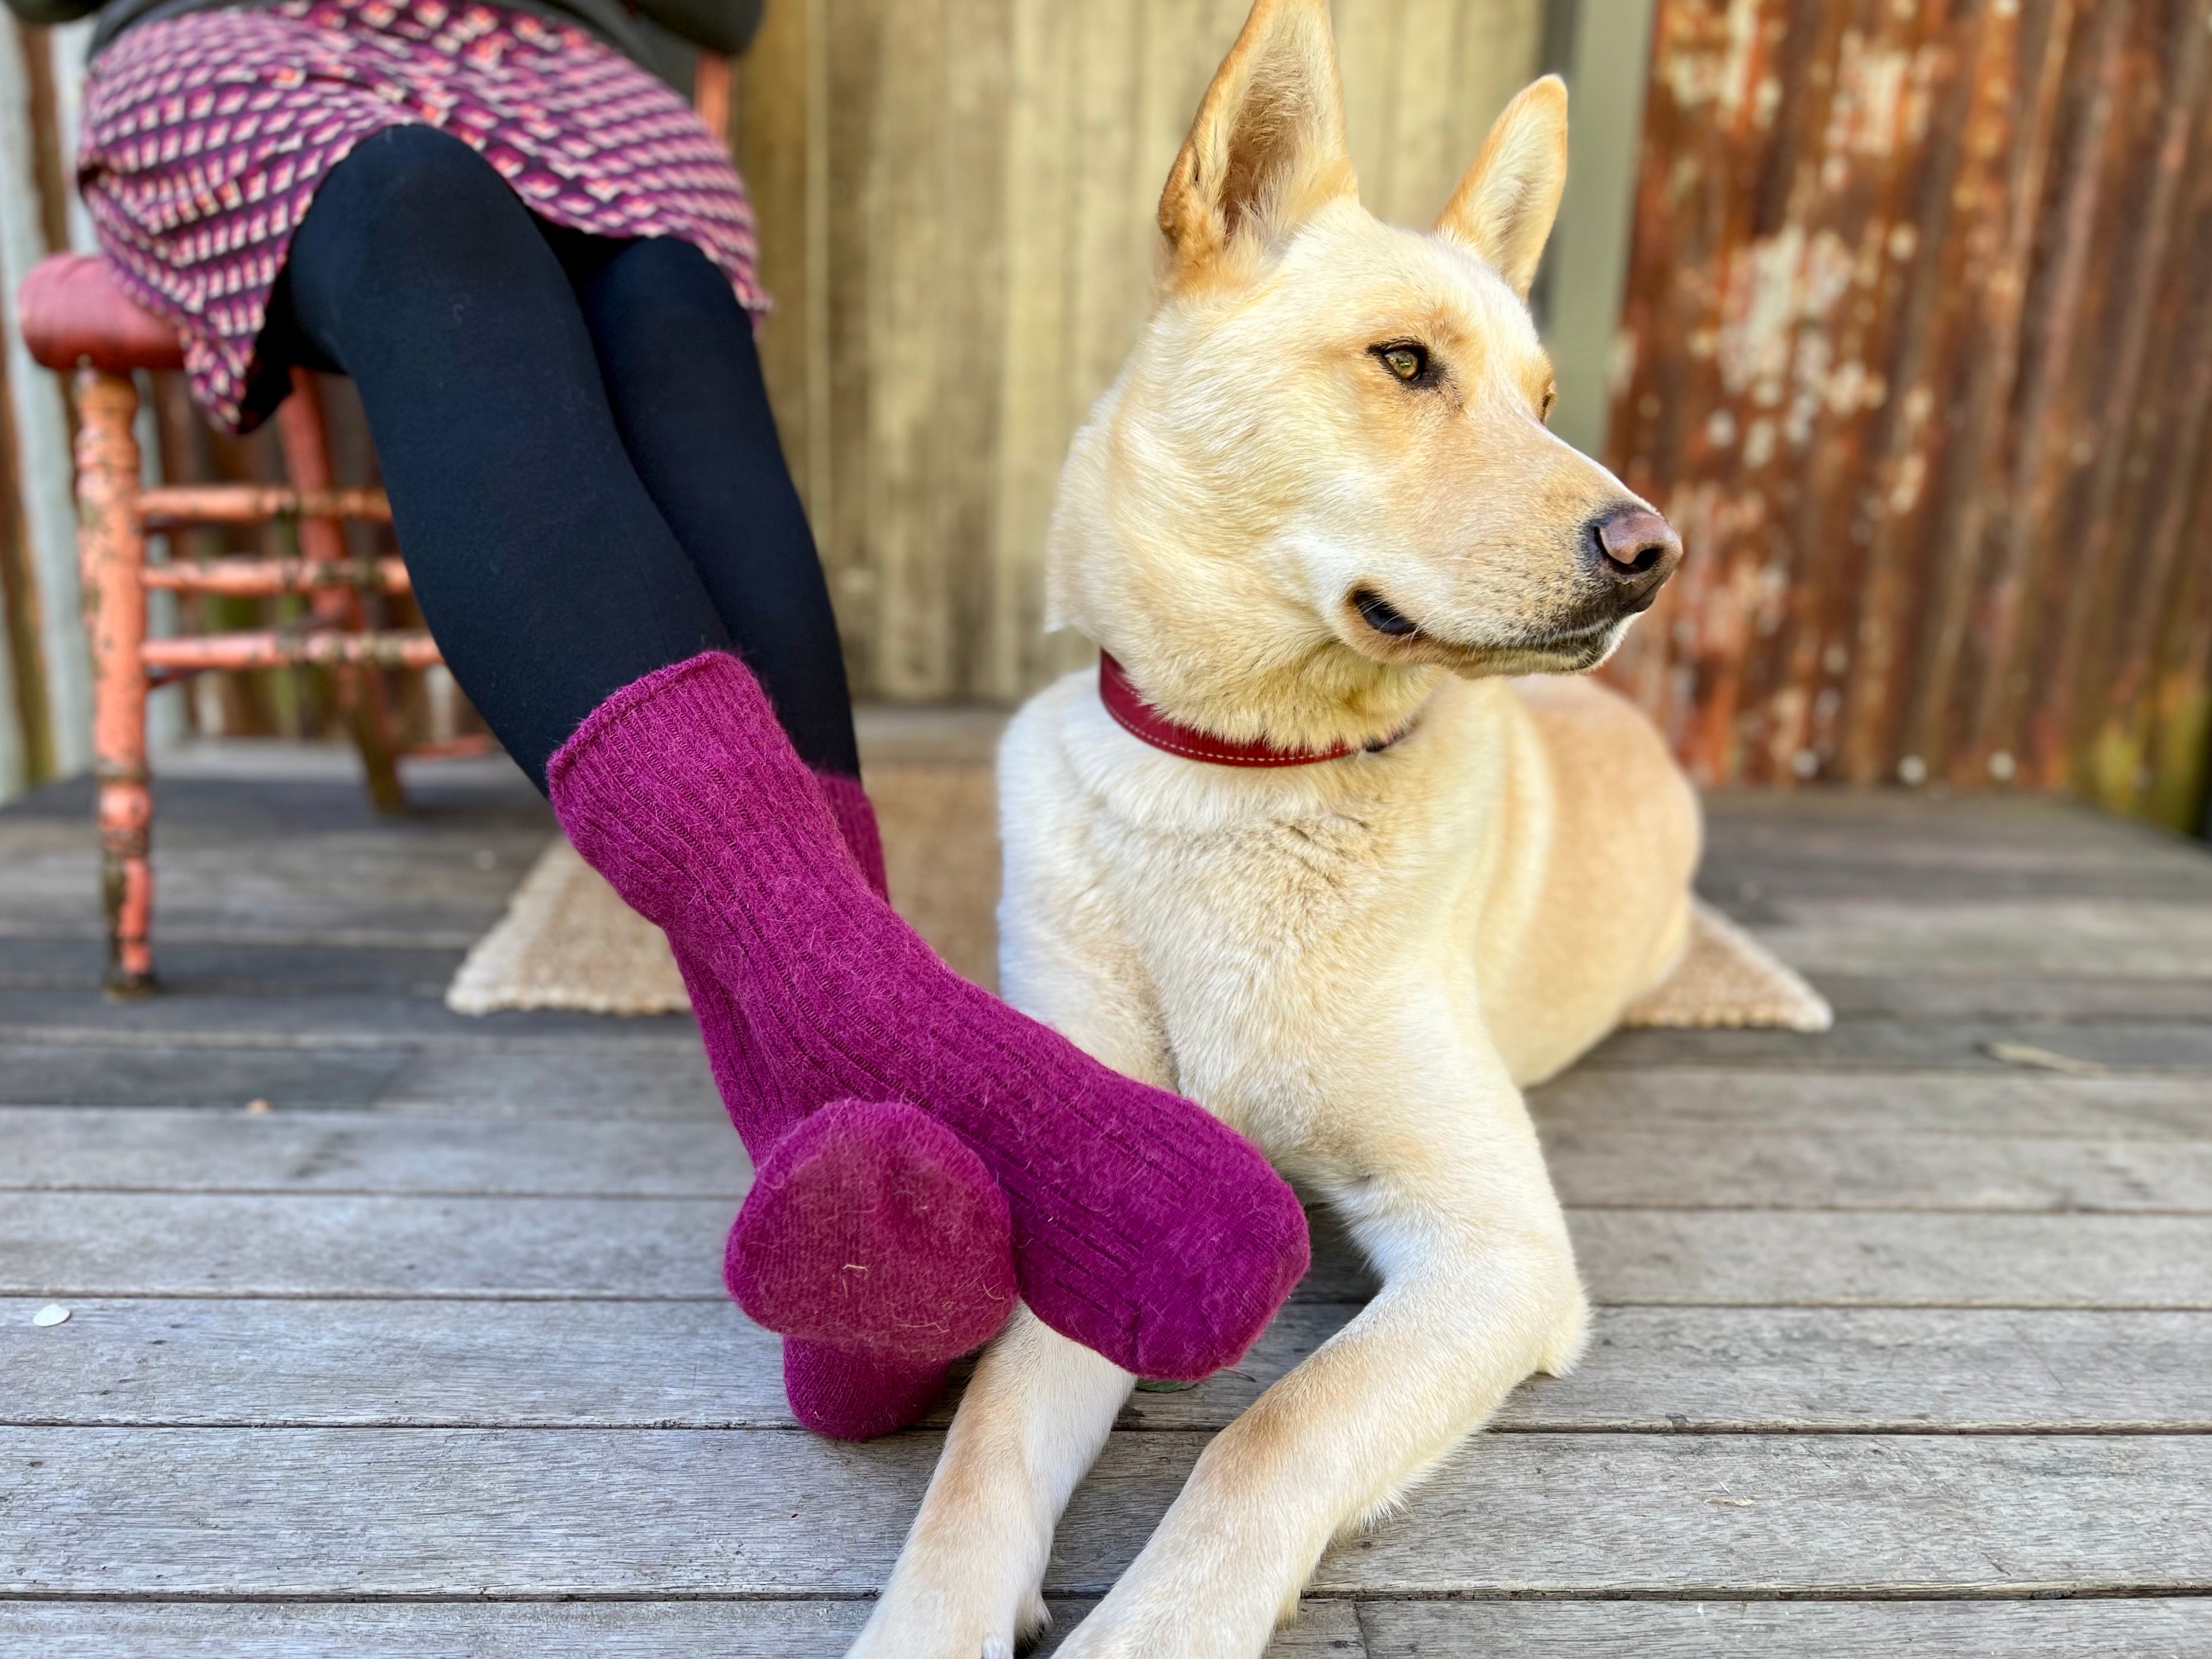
[
  {"x": 849, "y": 1395},
  {"x": 1142, "y": 1227}
]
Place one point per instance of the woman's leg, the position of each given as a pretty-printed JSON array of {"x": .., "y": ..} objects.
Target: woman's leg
[
  {"x": 676, "y": 351},
  {"x": 538, "y": 555},
  {"x": 550, "y": 579}
]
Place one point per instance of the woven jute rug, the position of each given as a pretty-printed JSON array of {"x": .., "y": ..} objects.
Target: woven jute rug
[{"x": 567, "y": 942}]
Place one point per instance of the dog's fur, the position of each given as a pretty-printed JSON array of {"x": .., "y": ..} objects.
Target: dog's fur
[{"x": 1357, "y": 962}]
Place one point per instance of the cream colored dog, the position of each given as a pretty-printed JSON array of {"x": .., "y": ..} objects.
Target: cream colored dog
[{"x": 1320, "y": 508}]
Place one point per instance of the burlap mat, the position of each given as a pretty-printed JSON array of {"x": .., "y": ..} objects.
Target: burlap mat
[{"x": 567, "y": 942}]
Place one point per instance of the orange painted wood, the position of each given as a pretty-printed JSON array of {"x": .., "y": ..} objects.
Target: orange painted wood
[
  {"x": 112, "y": 544},
  {"x": 173, "y": 505},
  {"x": 246, "y": 578},
  {"x": 272, "y": 649}
]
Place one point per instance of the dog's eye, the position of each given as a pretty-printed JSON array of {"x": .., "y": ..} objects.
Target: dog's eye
[{"x": 1408, "y": 362}]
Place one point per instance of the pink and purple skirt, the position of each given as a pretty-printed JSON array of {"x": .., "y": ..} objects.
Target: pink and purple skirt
[{"x": 206, "y": 136}]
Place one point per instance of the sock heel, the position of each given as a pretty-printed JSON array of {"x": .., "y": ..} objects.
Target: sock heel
[{"x": 846, "y": 1394}]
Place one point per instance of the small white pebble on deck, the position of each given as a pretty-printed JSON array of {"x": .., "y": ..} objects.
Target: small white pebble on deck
[{"x": 52, "y": 1313}]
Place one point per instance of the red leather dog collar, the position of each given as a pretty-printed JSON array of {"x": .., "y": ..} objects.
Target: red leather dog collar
[{"x": 1140, "y": 719}]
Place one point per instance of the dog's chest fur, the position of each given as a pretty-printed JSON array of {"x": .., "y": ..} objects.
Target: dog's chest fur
[{"x": 1283, "y": 928}]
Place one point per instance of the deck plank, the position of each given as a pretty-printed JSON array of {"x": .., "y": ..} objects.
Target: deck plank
[
  {"x": 2129, "y": 1046},
  {"x": 669, "y": 1080},
  {"x": 192, "y": 968},
  {"x": 1847, "y": 1170},
  {"x": 591, "y": 1630},
  {"x": 393, "y": 1513},
  {"x": 204, "y": 1078},
  {"x": 700, "y": 1365},
  {"x": 2129, "y": 1629},
  {"x": 2010, "y": 1101},
  {"x": 386, "y": 1021},
  {"x": 122, "y": 1244},
  {"x": 418, "y": 1025},
  {"x": 2052, "y": 1000},
  {"x": 2122, "y": 938},
  {"x": 627, "y": 1081},
  {"x": 76, "y": 1149}
]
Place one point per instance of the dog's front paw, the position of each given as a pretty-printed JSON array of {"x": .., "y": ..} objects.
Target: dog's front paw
[
  {"x": 1121, "y": 1632},
  {"x": 915, "y": 1622},
  {"x": 1102, "y": 1644}
]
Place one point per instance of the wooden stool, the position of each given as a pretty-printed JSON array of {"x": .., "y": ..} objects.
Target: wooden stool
[{"x": 76, "y": 317}]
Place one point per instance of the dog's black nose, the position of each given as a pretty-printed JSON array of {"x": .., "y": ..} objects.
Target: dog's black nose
[{"x": 1636, "y": 551}]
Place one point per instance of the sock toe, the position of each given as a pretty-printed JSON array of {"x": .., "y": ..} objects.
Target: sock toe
[{"x": 872, "y": 1226}]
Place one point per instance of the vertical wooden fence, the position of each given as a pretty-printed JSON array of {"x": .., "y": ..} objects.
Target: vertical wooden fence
[
  {"x": 1917, "y": 352},
  {"x": 956, "y": 201}
]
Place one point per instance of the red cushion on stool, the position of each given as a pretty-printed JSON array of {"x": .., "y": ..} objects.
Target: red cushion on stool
[{"x": 75, "y": 314}]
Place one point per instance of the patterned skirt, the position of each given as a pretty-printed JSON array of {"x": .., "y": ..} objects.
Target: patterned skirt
[{"x": 206, "y": 136}]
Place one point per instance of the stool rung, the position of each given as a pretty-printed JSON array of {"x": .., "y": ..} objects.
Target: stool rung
[
  {"x": 242, "y": 578},
  {"x": 314, "y": 648},
  {"x": 172, "y": 506}
]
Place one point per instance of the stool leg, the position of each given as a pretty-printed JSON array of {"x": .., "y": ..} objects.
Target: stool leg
[
  {"x": 361, "y": 693},
  {"x": 111, "y": 547}
]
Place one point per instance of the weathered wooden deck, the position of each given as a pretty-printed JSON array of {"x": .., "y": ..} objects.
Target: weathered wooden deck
[{"x": 1899, "y": 1348}]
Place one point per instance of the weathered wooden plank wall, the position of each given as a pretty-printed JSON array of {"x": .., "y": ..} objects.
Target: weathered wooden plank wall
[
  {"x": 1917, "y": 352},
  {"x": 46, "y": 686},
  {"x": 956, "y": 201}
]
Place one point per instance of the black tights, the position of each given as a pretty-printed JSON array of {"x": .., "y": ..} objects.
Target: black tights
[{"x": 584, "y": 473}]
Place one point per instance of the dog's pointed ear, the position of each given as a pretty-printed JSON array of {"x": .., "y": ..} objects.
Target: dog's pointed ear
[
  {"x": 1268, "y": 146},
  {"x": 1504, "y": 208}
]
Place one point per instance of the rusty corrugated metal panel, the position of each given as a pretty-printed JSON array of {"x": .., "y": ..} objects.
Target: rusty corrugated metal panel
[{"x": 1917, "y": 353}]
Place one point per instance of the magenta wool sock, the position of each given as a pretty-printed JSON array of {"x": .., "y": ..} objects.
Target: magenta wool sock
[
  {"x": 880, "y": 1247},
  {"x": 937, "y": 1253},
  {"x": 1142, "y": 1227}
]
